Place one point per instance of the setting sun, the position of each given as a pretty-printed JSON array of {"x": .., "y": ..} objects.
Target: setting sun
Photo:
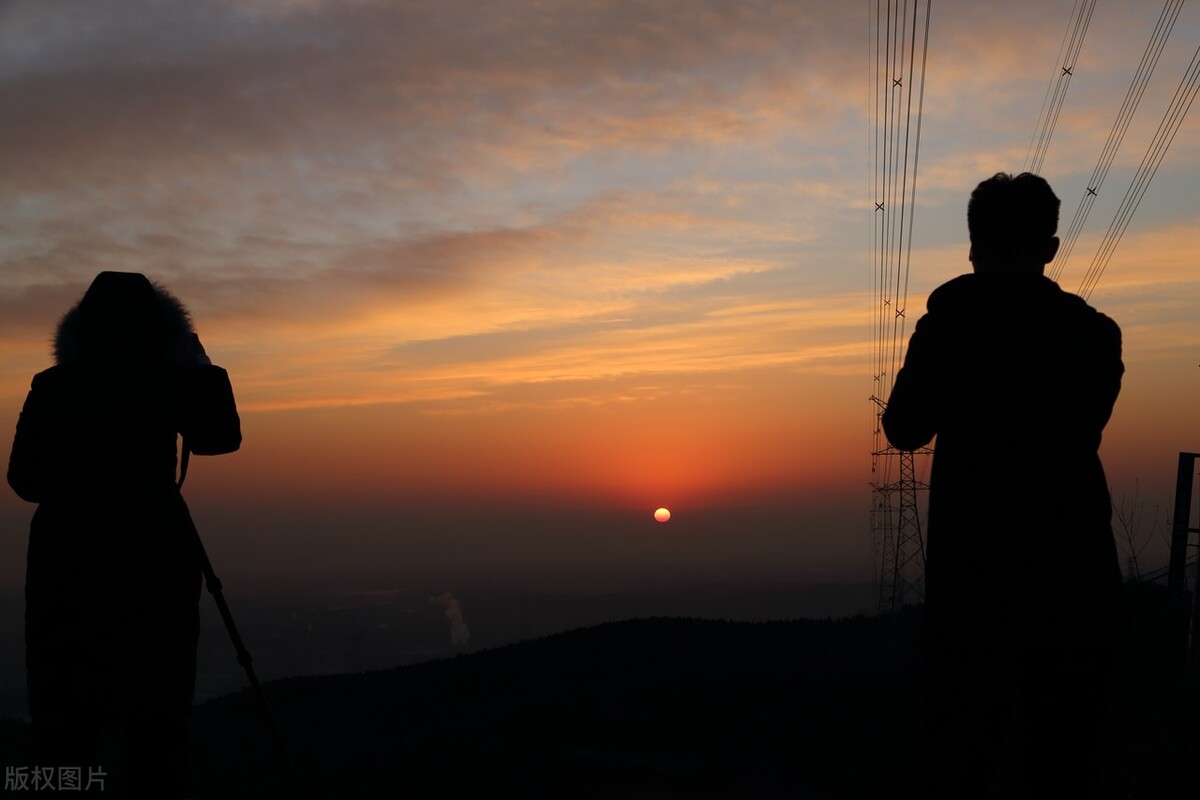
[{"x": 662, "y": 515}]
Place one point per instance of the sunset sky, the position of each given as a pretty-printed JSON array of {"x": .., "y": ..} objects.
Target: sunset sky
[{"x": 495, "y": 280}]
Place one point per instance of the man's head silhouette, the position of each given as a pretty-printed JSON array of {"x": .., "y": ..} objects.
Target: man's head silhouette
[{"x": 1012, "y": 222}]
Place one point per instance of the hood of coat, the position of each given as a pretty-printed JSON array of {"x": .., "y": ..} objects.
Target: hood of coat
[{"x": 125, "y": 319}]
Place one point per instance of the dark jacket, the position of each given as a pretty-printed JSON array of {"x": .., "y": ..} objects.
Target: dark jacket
[
  {"x": 112, "y": 580},
  {"x": 1016, "y": 379}
]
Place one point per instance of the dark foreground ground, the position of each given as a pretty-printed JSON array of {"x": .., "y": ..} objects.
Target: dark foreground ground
[{"x": 658, "y": 708}]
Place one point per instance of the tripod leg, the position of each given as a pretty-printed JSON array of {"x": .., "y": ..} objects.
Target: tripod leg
[{"x": 243, "y": 655}]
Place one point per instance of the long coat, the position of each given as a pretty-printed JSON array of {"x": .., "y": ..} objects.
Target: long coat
[
  {"x": 112, "y": 581},
  {"x": 1017, "y": 379}
]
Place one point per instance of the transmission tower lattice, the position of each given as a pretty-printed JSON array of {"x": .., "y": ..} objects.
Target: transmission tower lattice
[
  {"x": 901, "y": 46},
  {"x": 896, "y": 521}
]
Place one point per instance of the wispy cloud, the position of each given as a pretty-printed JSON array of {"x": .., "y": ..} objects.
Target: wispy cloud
[{"x": 368, "y": 201}]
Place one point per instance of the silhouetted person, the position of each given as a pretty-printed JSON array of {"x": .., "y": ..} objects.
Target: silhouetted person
[
  {"x": 1017, "y": 379},
  {"x": 113, "y": 581}
]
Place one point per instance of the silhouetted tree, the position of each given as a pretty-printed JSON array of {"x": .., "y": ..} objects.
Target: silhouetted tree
[{"x": 1129, "y": 522}]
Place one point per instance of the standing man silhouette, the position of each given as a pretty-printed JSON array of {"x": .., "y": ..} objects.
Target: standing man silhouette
[
  {"x": 113, "y": 578},
  {"x": 1017, "y": 379}
]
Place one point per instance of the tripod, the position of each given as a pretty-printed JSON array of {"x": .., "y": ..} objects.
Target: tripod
[{"x": 243, "y": 655}]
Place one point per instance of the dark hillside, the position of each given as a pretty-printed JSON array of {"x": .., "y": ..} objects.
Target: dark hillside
[
  {"x": 644, "y": 708},
  {"x": 665, "y": 708},
  {"x": 659, "y": 708}
]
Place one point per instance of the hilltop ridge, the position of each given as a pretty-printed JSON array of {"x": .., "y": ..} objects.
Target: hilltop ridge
[{"x": 661, "y": 707}]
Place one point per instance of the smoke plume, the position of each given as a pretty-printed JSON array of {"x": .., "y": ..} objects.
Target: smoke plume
[{"x": 460, "y": 635}]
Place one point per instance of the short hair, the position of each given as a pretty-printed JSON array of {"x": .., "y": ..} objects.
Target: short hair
[{"x": 1012, "y": 217}]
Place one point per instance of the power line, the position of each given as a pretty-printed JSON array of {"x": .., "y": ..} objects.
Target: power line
[
  {"x": 1042, "y": 115},
  {"x": 899, "y": 59},
  {"x": 1168, "y": 126},
  {"x": 916, "y": 155},
  {"x": 1116, "y": 134},
  {"x": 899, "y": 85},
  {"x": 1081, "y": 17}
]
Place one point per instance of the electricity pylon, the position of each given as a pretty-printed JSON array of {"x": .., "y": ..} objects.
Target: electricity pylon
[{"x": 896, "y": 526}]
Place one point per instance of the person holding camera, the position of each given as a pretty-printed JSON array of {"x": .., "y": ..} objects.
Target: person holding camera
[
  {"x": 113, "y": 576},
  {"x": 1016, "y": 378}
]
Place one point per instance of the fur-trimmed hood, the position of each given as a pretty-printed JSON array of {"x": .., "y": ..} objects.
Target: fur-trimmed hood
[{"x": 124, "y": 317}]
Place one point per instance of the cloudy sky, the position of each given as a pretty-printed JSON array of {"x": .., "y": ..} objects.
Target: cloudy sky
[{"x": 494, "y": 280}]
